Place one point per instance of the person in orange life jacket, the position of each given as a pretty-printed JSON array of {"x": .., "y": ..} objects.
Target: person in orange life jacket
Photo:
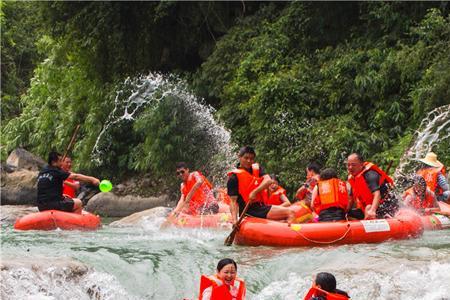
[
  {"x": 370, "y": 188},
  {"x": 276, "y": 195},
  {"x": 246, "y": 183},
  {"x": 312, "y": 177},
  {"x": 330, "y": 198},
  {"x": 224, "y": 285},
  {"x": 324, "y": 288},
  {"x": 50, "y": 186},
  {"x": 419, "y": 196},
  {"x": 434, "y": 173},
  {"x": 196, "y": 194},
  {"x": 70, "y": 186}
]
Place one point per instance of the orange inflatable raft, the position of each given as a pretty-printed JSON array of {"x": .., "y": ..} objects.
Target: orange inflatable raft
[
  {"x": 256, "y": 232},
  {"x": 53, "y": 219},
  {"x": 436, "y": 222}
]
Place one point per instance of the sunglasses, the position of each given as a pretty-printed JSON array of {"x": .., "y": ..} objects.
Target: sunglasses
[{"x": 180, "y": 172}]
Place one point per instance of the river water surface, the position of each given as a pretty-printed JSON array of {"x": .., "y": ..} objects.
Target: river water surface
[{"x": 144, "y": 262}]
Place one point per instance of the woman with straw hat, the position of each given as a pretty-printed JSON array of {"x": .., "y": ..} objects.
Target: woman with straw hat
[{"x": 434, "y": 173}]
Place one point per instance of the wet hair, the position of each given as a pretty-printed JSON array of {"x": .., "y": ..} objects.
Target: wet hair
[
  {"x": 275, "y": 177},
  {"x": 181, "y": 165},
  {"x": 53, "y": 157},
  {"x": 315, "y": 167},
  {"x": 328, "y": 173},
  {"x": 327, "y": 281},
  {"x": 246, "y": 149},
  {"x": 420, "y": 183},
  {"x": 226, "y": 261},
  {"x": 358, "y": 156}
]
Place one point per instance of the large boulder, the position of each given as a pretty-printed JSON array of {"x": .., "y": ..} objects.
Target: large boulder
[
  {"x": 19, "y": 188},
  {"x": 136, "y": 218},
  {"x": 10, "y": 213},
  {"x": 111, "y": 205},
  {"x": 22, "y": 159}
]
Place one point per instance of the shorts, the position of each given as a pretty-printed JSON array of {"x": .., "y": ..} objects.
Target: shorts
[
  {"x": 332, "y": 214},
  {"x": 65, "y": 204},
  {"x": 258, "y": 210}
]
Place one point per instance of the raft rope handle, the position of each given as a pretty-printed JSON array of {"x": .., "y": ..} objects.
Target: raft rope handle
[
  {"x": 54, "y": 221},
  {"x": 330, "y": 242}
]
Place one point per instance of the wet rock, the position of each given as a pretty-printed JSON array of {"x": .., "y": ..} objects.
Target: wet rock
[
  {"x": 111, "y": 205},
  {"x": 136, "y": 218},
  {"x": 22, "y": 159},
  {"x": 10, "y": 213},
  {"x": 19, "y": 188}
]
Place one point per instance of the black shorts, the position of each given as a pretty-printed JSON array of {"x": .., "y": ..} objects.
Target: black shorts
[
  {"x": 65, "y": 204},
  {"x": 332, "y": 214},
  {"x": 258, "y": 210},
  {"x": 208, "y": 208}
]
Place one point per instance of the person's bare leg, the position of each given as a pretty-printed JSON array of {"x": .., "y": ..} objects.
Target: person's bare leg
[
  {"x": 77, "y": 206},
  {"x": 281, "y": 213}
]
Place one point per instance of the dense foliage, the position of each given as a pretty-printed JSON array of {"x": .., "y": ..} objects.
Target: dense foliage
[{"x": 301, "y": 81}]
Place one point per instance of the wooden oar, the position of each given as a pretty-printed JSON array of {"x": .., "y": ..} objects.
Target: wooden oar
[
  {"x": 171, "y": 219},
  {"x": 72, "y": 140},
  {"x": 444, "y": 208},
  {"x": 229, "y": 240}
]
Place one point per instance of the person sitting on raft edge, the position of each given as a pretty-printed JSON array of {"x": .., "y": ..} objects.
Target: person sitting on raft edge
[
  {"x": 324, "y": 288},
  {"x": 196, "y": 193},
  {"x": 371, "y": 189},
  {"x": 50, "y": 186},
  {"x": 246, "y": 183},
  {"x": 70, "y": 186},
  {"x": 330, "y": 198},
  {"x": 433, "y": 171},
  {"x": 224, "y": 284},
  {"x": 304, "y": 193},
  {"x": 420, "y": 197},
  {"x": 276, "y": 195}
]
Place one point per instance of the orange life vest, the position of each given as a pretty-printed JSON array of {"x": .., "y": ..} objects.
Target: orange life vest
[
  {"x": 68, "y": 190},
  {"x": 430, "y": 175},
  {"x": 307, "y": 191},
  {"x": 331, "y": 193},
  {"x": 275, "y": 197},
  {"x": 360, "y": 190},
  {"x": 202, "y": 195},
  {"x": 417, "y": 202},
  {"x": 221, "y": 291},
  {"x": 315, "y": 292},
  {"x": 248, "y": 182}
]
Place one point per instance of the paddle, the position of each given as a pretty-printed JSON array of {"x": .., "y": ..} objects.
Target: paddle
[
  {"x": 229, "y": 240},
  {"x": 171, "y": 219},
  {"x": 72, "y": 141},
  {"x": 444, "y": 208}
]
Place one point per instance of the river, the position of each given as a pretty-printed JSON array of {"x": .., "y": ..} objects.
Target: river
[{"x": 144, "y": 262}]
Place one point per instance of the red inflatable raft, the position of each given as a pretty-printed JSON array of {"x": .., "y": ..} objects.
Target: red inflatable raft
[
  {"x": 256, "y": 232},
  {"x": 53, "y": 219},
  {"x": 436, "y": 222}
]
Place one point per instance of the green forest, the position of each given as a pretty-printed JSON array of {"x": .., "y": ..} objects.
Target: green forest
[{"x": 299, "y": 81}]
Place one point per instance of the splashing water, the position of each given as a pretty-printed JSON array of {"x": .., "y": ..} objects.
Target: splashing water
[
  {"x": 149, "y": 91},
  {"x": 435, "y": 127}
]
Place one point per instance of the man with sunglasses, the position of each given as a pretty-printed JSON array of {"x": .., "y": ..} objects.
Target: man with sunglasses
[{"x": 196, "y": 193}]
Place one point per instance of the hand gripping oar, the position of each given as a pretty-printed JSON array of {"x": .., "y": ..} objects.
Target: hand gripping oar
[{"x": 229, "y": 240}]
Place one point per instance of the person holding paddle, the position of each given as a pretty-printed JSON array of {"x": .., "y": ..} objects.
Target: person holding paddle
[
  {"x": 50, "y": 186},
  {"x": 245, "y": 185}
]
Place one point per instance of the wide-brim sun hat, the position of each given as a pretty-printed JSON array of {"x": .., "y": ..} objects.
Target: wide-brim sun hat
[{"x": 431, "y": 160}]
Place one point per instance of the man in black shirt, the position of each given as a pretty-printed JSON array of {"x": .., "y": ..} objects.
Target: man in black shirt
[
  {"x": 50, "y": 186},
  {"x": 245, "y": 183}
]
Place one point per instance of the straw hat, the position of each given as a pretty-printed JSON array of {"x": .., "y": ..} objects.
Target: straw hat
[{"x": 431, "y": 160}]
